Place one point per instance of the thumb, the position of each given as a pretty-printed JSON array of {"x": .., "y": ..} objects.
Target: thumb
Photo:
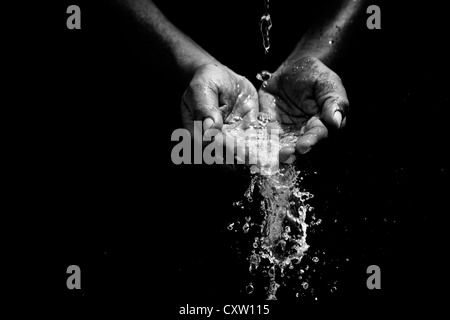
[
  {"x": 203, "y": 103},
  {"x": 332, "y": 98},
  {"x": 334, "y": 112}
]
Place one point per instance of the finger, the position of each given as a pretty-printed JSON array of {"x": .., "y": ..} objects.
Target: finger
[
  {"x": 207, "y": 123},
  {"x": 315, "y": 131},
  {"x": 267, "y": 104},
  {"x": 187, "y": 118},
  {"x": 285, "y": 153},
  {"x": 274, "y": 127},
  {"x": 334, "y": 112},
  {"x": 332, "y": 97}
]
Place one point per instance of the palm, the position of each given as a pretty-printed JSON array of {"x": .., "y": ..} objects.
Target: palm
[
  {"x": 239, "y": 99},
  {"x": 218, "y": 93},
  {"x": 303, "y": 96},
  {"x": 289, "y": 96}
]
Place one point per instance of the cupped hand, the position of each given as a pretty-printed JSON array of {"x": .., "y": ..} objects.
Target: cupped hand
[
  {"x": 216, "y": 95},
  {"x": 306, "y": 97}
]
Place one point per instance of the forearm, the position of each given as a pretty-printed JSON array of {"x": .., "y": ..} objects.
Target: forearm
[
  {"x": 183, "y": 52},
  {"x": 325, "y": 39}
]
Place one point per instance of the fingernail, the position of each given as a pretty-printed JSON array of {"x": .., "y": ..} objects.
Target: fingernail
[
  {"x": 207, "y": 123},
  {"x": 338, "y": 117},
  {"x": 291, "y": 159},
  {"x": 303, "y": 150}
]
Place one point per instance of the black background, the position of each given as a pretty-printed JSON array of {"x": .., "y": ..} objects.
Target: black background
[{"x": 99, "y": 178}]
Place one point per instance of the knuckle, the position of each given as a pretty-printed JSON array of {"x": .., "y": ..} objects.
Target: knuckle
[
  {"x": 336, "y": 77},
  {"x": 196, "y": 84}
]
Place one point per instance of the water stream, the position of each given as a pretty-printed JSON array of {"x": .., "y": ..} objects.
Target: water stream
[
  {"x": 265, "y": 25},
  {"x": 278, "y": 226}
]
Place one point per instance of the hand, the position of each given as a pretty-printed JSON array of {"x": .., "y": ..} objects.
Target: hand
[
  {"x": 306, "y": 97},
  {"x": 216, "y": 95}
]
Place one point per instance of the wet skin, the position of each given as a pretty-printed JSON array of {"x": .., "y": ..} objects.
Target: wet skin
[
  {"x": 215, "y": 95},
  {"x": 306, "y": 97},
  {"x": 303, "y": 96}
]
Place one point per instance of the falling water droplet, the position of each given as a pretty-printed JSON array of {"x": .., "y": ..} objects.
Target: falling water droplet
[
  {"x": 249, "y": 289},
  {"x": 264, "y": 75},
  {"x": 265, "y": 25},
  {"x": 272, "y": 272},
  {"x": 237, "y": 203}
]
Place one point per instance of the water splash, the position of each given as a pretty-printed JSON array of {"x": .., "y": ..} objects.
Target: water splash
[
  {"x": 263, "y": 75},
  {"x": 279, "y": 226},
  {"x": 281, "y": 241},
  {"x": 265, "y": 25}
]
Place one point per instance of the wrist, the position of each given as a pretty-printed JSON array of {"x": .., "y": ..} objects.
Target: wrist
[
  {"x": 302, "y": 58},
  {"x": 201, "y": 62},
  {"x": 189, "y": 63}
]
